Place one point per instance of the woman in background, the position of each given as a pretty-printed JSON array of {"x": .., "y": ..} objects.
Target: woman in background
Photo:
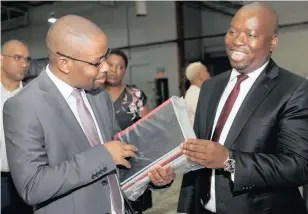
[{"x": 130, "y": 105}]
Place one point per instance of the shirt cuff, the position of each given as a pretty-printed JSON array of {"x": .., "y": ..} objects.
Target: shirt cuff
[{"x": 232, "y": 176}]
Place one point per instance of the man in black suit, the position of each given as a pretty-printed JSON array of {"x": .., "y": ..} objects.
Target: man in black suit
[
  {"x": 252, "y": 128},
  {"x": 305, "y": 195}
]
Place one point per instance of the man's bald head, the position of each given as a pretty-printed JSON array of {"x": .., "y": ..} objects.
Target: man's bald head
[
  {"x": 264, "y": 10},
  {"x": 77, "y": 52},
  {"x": 72, "y": 34}
]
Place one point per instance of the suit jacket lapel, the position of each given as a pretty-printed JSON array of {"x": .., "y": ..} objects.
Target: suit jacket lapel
[
  {"x": 213, "y": 103},
  {"x": 258, "y": 92},
  {"x": 57, "y": 102}
]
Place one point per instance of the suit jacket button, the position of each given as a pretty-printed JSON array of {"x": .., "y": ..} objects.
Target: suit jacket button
[
  {"x": 105, "y": 169},
  {"x": 104, "y": 182}
]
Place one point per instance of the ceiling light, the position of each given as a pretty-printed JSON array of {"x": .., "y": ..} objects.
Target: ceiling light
[{"x": 52, "y": 18}]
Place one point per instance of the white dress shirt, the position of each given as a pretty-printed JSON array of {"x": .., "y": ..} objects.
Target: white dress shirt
[
  {"x": 66, "y": 91},
  {"x": 191, "y": 99},
  {"x": 5, "y": 95},
  {"x": 245, "y": 87}
]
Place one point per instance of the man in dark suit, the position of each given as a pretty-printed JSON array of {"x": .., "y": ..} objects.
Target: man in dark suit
[
  {"x": 305, "y": 195},
  {"x": 252, "y": 128}
]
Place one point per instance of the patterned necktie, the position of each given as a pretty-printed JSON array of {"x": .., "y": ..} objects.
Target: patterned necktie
[
  {"x": 225, "y": 112},
  {"x": 91, "y": 133}
]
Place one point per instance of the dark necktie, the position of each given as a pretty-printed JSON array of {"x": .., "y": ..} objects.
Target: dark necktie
[
  {"x": 91, "y": 133},
  {"x": 225, "y": 112}
]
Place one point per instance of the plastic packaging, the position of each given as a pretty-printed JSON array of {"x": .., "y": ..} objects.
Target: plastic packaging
[{"x": 157, "y": 137}]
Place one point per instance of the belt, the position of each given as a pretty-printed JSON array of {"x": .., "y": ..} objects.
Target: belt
[{"x": 5, "y": 174}]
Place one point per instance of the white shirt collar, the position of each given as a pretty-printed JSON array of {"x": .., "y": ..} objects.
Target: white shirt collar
[
  {"x": 16, "y": 90},
  {"x": 252, "y": 75},
  {"x": 194, "y": 87},
  {"x": 65, "y": 89}
]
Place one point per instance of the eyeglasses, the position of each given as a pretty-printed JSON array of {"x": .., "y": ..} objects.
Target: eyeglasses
[
  {"x": 97, "y": 65},
  {"x": 18, "y": 58}
]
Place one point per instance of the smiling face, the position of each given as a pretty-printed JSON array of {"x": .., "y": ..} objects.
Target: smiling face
[{"x": 251, "y": 38}]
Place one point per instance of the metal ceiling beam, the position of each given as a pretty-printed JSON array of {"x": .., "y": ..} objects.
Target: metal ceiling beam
[
  {"x": 13, "y": 9},
  {"x": 107, "y": 3}
]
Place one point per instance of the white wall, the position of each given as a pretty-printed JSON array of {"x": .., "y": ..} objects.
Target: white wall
[
  {"x": 292, "y": 50},
  {"x": 159, "y": 25}
]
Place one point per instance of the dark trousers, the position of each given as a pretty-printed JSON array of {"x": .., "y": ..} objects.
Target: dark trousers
[
  {"x": 11, "y": 203},
  {"x": 143, "y": 203},
  {"x": 305, "y": 195}
]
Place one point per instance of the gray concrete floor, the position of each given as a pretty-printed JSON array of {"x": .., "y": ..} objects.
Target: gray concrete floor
[{"x": 166, "y": 202}]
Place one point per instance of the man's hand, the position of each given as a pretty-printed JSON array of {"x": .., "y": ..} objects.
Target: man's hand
[
  {"x": 206, "y": 153},
  {"x": 119, "y": 151},
  {"x": 160, "y": 176}
]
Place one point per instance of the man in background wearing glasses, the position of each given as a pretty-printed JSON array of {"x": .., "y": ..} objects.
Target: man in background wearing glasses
[{"x": 14, "y": 66}]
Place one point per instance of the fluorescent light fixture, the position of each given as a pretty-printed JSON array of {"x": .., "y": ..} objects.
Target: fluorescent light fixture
[
  {"x": 52, "y": 20},
  {"x": 141, "y": 8}
]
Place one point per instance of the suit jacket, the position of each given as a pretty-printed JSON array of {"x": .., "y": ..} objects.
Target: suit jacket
[
  {"x": 305, "y": 195},
  {"x": 53, "y": 166},
  {"x": 269, "y": 137}
]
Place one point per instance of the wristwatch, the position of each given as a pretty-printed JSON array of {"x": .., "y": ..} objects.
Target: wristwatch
[{"x": 230, "y": 163}]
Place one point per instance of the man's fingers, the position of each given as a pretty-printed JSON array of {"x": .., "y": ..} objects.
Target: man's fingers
[
  {"x": 194, "y": 147},
  {"x": 163, "y": 173},
  {"x": 128, "y": 153},
  {"x": 169, "y": 170},
  {"x": 130, "y": 147},
  {"x": 152, "y": 178},
  {"x": 197, "y": 155},
  {"x": 125, "y": 163},
  {"x": 197, "y": 141},
  {"x": 157, "y": 177},
  {"x": 195, "y": 160}
]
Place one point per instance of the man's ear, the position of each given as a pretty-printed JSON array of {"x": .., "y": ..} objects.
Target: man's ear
[
  {"x": 274, "y": 43},
  {"x": 63, "y": 65},
  {"x": 1, "y": 60}
]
